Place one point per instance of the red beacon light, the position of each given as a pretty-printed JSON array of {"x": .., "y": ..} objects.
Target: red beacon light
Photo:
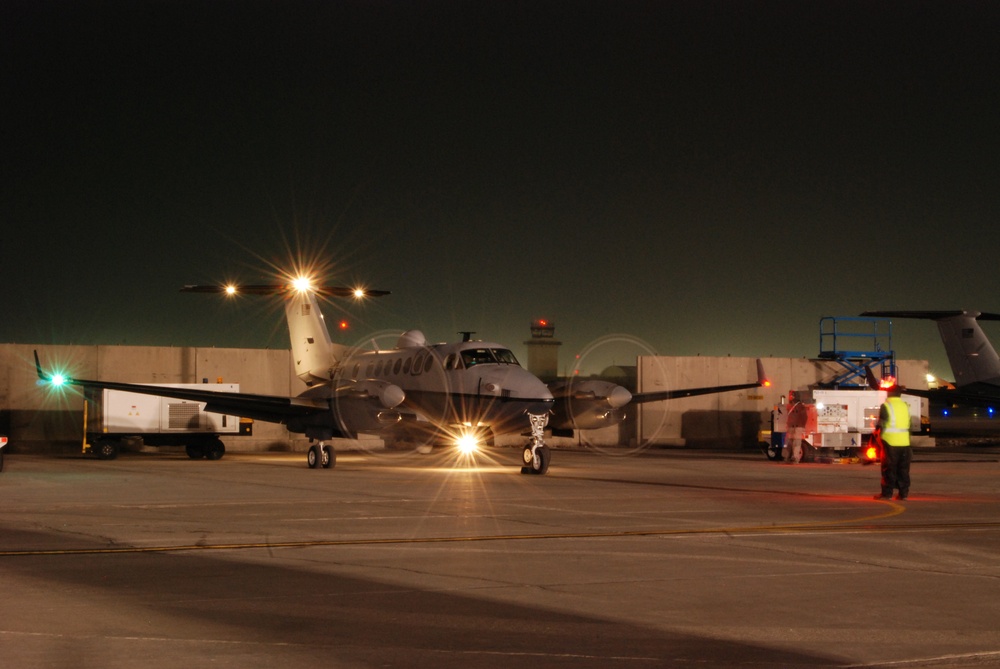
[{"x": 887, "y": 383}]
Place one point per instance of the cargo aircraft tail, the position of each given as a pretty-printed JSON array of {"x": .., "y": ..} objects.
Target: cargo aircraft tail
[{"x": 972, "y": 357}]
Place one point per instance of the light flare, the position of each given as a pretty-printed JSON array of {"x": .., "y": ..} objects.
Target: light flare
[
  {"x": 302, "y": 284},
  {"x": 467, "y": 443}
]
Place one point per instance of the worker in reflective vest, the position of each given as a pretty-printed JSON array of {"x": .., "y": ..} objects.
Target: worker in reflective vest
[{"x": 894, "y": 431}]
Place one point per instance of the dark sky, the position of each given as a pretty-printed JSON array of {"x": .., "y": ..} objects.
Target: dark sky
[{"x": 710, "y": 177}]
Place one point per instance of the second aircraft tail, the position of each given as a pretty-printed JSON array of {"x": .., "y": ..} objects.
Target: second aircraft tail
[{"x": 970, "y": 353}]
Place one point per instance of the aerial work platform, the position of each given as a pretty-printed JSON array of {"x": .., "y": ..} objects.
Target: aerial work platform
[{"x": 857, "y": 343}]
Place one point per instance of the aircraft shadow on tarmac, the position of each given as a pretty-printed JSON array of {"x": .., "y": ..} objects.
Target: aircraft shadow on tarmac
[{"x": 100, "y": 609}]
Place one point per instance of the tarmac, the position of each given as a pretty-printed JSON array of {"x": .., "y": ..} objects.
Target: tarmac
[{"x": 659, "y": 559}]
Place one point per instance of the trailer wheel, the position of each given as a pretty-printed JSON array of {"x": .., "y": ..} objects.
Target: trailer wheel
[
  {"x": 215, "y": 449},
  {"x": 107, "y": 449},
  {"x": 772, "y": 451},
  {"x": 195, "y": 451}
]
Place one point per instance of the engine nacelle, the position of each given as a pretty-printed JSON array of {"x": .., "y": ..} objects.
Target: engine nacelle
[
  {"x": 355, "y": 406},
  {"x": 587, "y": 404},
  {"x": 368, "y": 405}
]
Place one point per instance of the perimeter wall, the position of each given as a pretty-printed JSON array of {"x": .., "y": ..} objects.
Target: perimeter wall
[{"x": 38, "y": 419}]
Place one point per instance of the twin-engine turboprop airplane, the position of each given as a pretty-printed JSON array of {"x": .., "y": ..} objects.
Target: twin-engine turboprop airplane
[{"x": 462, "y": 392}]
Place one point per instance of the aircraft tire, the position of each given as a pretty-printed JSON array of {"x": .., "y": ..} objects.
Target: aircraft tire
[
  {"x": 312, "y": 457},
  {"x": 329, "y": 458},
  {"x": 531, "y": 466}
]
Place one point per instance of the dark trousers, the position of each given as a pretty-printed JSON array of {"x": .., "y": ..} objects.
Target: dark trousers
[{"x": 896, "y": 469}]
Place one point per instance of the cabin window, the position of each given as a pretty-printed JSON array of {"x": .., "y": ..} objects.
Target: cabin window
[
  {"x": 429, "y": 363},
  {"x": 418, "y": 364},
  {"x": 395, "y": 368},
  {"x": 406, "y": 365},
  {"x": 378, "y": 368},
  {"x": 371, "y": 369},
  {"x": 357, "y": 370}
]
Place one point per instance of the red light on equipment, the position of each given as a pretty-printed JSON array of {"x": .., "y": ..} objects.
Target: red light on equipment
[
  {"x": 887, "y": 382},
  {"x": 871, "y": 453},
  {"x": 343, "y": 325}
]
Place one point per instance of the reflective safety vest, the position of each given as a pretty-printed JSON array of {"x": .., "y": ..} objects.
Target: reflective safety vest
[{"x": 895, "y": 426}]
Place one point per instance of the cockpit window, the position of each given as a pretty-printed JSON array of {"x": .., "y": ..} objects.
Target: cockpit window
[
  {"x": 504, "y": 356},
  {"x": 488, "y": 356}
]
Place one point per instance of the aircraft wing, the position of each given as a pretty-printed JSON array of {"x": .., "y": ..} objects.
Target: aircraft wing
[
  {"x": 268, "y": 408},
  {"x": 642, "y": 398},
  {"x": 986, "y": 397},
  {"x": 593, "y": 403}
]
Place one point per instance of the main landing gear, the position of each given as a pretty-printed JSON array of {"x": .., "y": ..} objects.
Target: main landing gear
[
  {"x": 321, "y": 455},
  {"x": 536, "y": 454}
]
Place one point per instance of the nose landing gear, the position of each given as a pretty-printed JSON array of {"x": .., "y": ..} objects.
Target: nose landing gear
[{"x": 536, "y": 454}]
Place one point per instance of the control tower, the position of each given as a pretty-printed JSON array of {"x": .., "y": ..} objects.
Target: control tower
[{"x": 543, "y": 350}]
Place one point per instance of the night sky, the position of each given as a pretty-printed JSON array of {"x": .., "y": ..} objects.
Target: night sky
[{"x": 707, "y": 177}]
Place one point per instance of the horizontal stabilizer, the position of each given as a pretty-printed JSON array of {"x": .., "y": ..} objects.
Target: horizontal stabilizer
[
  {"x": 933, "y": 315},
  {"x": 282, "y": 288}
]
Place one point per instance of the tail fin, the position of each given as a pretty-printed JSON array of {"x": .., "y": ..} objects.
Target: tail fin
[
  {"x": 313, "y": 353},
  {"x": 970, "y": 353}
]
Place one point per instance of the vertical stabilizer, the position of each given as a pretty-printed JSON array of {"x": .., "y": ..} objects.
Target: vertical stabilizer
[
  {"x": 971, "y": 355},
  {"x": 313, "y": 354}
]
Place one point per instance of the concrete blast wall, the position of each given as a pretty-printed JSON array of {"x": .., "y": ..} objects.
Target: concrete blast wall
[
  {"x": 37, "y": 417},
  {"x": 731, "y": 418}
]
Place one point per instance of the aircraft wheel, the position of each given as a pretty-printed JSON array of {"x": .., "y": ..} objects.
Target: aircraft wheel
[
  {"x": 107, "y": 449},
  {"x": 312, "y": 457},
  {"x": 537, "y": 463},
  {"x": 329, "y": 457}
]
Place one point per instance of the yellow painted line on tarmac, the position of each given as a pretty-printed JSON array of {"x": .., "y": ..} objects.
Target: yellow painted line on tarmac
[{"x": 798, "y": 528}]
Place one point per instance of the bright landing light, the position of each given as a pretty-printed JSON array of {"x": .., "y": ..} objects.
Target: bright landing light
[
  {"x": 467, "y": 444},
  {"x": 58, "y": 379}
]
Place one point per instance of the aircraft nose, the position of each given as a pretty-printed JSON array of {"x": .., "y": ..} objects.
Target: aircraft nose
[{"x": 531, "y": 387}]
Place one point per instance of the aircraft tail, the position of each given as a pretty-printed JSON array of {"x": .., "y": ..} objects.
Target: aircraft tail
[
  {"x": 970, "y": 353},
  {"x": 314, "y": 355}
]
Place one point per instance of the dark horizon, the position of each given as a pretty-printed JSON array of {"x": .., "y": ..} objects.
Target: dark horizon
[{"x": 709, "y": 178}]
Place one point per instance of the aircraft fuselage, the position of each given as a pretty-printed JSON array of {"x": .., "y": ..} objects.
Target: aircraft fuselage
[{"x": 467, "y": 383}]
